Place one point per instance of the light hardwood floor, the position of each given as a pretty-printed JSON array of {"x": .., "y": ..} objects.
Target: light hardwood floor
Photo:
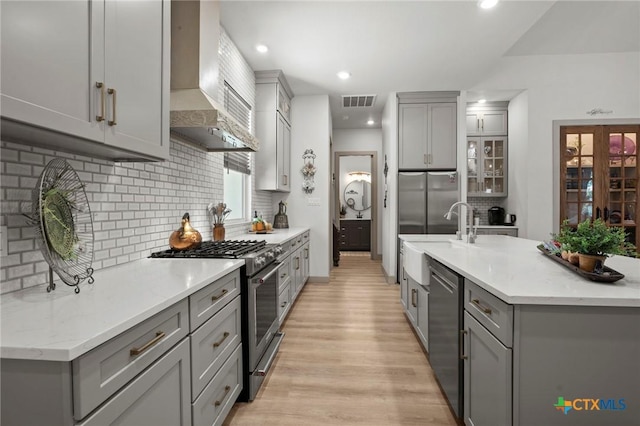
[{"x": 348, "y": 357}]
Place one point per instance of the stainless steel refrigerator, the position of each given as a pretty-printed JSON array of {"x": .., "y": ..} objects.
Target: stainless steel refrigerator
[{"x": 423, "y": 200}]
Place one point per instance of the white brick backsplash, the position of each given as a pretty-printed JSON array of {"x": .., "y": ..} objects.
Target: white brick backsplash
[
  {"x": 135, "y": 206},
  {"x": 484, "y": 204}
]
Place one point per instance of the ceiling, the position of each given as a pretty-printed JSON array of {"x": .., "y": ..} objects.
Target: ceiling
[{"x": 403, "y": 46}]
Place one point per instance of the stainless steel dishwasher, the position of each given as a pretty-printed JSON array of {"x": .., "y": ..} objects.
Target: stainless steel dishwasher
[{"x": 445, "y": 323}]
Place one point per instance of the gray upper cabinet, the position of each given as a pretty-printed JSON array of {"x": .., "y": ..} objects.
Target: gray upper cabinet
[
  {"x": 273, "y": 129},
  {"x": 95, "y": 71},
  {"x": 427, "y": 130},
  {"x": 487, "y": 123}
]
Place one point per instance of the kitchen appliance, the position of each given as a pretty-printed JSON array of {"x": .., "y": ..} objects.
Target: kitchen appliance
[
  {"x": 510, "y": 219},
  {"x": 259, "y": 296},
  {"x": 496, "y": 215},
  {"x": 445, "y": 323},
  {"x": 423, "y": 198},
  {"x": 280, "y": 220},
  {"x": 185, "y": 237},
  {"x": 196, "y": 115}
]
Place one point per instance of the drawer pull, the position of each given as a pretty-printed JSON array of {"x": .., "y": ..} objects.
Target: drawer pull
[
  {"x": 414, "y": 293},
  {"x": 283, "y": 304},
  {"x": 224, "y": 336},
  {"x": 482, "y": 308},
  {"x": 461, "y": 343},
  {"x": 226, "y": 391},
  {"x": 100, "y": 86},
  {"x": 224, "y": 291},
  {"x": 283, "y": 275},
  {"x": 113, "y": 122},
  {"x": 138, "y": 351}
]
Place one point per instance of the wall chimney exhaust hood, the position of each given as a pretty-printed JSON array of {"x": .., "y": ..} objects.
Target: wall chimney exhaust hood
[{"x": 196, "y": 116}]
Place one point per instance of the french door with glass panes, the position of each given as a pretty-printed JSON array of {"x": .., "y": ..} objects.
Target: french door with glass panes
[{"x": 599, "y": 176}]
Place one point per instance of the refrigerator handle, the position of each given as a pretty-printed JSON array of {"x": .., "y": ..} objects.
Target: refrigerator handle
[{"x": 443, "y": 173}]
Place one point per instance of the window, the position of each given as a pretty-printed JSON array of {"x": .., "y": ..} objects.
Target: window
[{"x": 237, "y": 174}]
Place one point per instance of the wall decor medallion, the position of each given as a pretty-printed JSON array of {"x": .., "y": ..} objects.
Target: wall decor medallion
[{"x": 308, "y": 171}]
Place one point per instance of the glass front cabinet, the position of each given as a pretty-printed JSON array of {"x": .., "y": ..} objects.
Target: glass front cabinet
[
  {"x": 599, "y": 176},
  {"x": 487, "y": 166}
]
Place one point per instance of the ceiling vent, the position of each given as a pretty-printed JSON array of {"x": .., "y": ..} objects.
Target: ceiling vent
[{"x": 358, "y": 101}]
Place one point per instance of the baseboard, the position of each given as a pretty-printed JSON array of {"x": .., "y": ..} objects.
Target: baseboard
[{"x": 318, "y": 280}]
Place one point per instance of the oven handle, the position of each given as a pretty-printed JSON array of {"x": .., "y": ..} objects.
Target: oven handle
[{"x": 266, "y": 277}]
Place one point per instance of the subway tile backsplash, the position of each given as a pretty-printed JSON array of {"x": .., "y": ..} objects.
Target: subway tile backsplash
[{"x": 484, "y": 204}]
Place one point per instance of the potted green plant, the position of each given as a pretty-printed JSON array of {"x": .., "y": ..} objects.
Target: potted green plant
[{"x": 594, "y": 241}]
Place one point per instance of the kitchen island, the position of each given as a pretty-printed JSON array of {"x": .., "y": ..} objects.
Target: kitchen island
[{"x": 539, "y": 343}]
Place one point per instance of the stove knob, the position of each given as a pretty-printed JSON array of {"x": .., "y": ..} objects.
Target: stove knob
[
  {"x": 260, "y": 261},
  {"x": 270, "y": 255},
  {"x": 278, "y": 250}
]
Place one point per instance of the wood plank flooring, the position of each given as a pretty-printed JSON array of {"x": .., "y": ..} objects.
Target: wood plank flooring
[{"x": 349, "y": 356}]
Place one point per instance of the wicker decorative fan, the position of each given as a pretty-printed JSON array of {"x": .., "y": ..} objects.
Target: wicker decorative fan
[{"x": 64, "y": 227}]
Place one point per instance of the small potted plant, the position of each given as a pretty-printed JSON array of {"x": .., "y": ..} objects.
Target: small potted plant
[{"x": 594, "y": 241}]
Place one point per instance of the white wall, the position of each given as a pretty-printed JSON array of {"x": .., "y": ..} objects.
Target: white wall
[
  {"x": 389, "y": 216},
  {"x": 311, "y": 129},
  {"x": 559, "y": 87},
  {"x": 517, "y": 203}
]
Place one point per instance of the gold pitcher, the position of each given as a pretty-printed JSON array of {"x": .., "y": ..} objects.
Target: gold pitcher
[{"x": 186, "y": 237}]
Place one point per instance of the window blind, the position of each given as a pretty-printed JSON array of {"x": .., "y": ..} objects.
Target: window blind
[{"x": 240, "y": 110}]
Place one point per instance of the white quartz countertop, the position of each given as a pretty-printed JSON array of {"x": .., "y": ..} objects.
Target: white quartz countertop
[
  {"x": 278, "y": 236},
  {"x": 62, "y": 325},
  {"x": 514, "y": 270}
]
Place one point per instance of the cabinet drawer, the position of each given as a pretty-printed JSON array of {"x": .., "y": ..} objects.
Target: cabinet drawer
[
  {"x": 100, "y": 373},
  {"x": 284, "y": 273},
  {"x": 212, "y": 343},
  {"x": 159, "y": 396},
  {"x": 206, "y": 302},
  {"x": 284, "y": 302},
  {"x": 493, "y": 313},
  {"x": 215, "y": 402}
]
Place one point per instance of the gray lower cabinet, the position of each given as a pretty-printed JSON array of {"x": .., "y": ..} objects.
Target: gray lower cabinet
[
  {"x": 422, "y": 322},
  {"x": 487, "y": 377},
  {"x": 158, "y": 372},
  {"x": 404, "y": 287},
  {"x": 159, "y": 396},
  {"x": 417, "y": 308}
]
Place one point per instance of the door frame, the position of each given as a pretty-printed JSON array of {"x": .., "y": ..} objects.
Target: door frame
[
  {"x": 374, "y": 193},
  {"x": 556, "y": 153}
]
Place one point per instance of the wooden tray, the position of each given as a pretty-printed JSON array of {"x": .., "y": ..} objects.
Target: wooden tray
[{"x": 608, "y": 275}]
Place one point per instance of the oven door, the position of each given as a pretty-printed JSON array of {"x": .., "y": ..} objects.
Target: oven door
[{"x": 263, "y": 312}]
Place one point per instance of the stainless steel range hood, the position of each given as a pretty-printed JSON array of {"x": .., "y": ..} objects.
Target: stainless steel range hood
[{"x": 196, "y": 116}]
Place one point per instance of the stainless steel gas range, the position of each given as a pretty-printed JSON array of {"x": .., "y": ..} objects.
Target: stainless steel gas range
[{"x": 259, "y": 295}]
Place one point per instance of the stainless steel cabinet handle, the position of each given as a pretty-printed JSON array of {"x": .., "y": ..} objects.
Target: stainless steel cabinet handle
[
  {"x": 461, "y": 342},
  {"x": 482, "y": 123},
  {"x": 219, "y": 342},
  {"x": 214, "y": 298},
  {"x": 113, "y": 122},
  {"x": 283, "y": 304},
  {"x": 414, "y": 293},
  {"x": 285, "y": 180},
  {"x": 226, "y": 391},
  {"x": 477, "y": 123},
  {"x": 482, "y": 308},
  {"x": 103, "y": 101},
  {"x": 150, "y": 343},
  {"x": 306, "y": 253},
  {"x": 283, "y": 275}
]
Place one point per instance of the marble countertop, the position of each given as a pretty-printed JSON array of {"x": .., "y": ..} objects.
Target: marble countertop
[
  {"x": 62, "y": 325},
  {"x": 277, "y": 237},
  {"x": 514, "y": 270}
]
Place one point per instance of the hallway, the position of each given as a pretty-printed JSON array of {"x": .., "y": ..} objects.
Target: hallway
[{"x": 348, "y": 357}]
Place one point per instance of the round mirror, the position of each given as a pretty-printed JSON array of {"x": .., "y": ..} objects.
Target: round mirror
[{"x": 357, "y": 195}]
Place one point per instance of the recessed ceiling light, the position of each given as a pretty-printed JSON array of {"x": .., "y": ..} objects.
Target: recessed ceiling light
[
  {"x": 482, "y": 101},
  {"x": 487, "y": 4},
  {"x": 262, "y": 48},
  {"x": 343, "y": 75},
  {"x": 370, "y": 122}
]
